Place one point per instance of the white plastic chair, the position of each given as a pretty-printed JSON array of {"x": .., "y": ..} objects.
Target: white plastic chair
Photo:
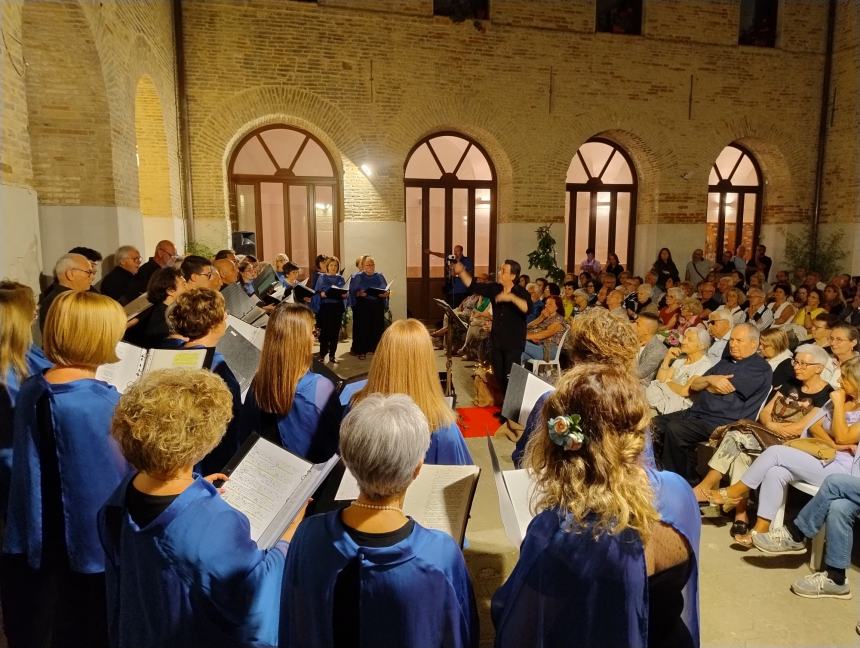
[
  {"x": 555, "y": 362},
  {"x": 816, "y": 555}
]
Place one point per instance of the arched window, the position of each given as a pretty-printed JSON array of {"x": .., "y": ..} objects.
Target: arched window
[
  {"x": 600, "y": 204},
  {"x": 734, "y": 203},
  {"x": 283, "y": 187},
  {"x": 450, "y": 192}
]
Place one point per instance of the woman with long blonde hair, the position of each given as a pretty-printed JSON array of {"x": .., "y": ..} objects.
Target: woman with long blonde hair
[
  {"x": 406, "y": 364},
  {"x": 287, "y": 403},
  {"x": 610, "y": 559}
]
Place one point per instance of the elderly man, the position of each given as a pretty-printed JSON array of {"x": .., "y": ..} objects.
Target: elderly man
[
  {"x": 615, "y": 302},
  {"x": 651, "y": 348},
  {"x": 707, "y": 295},
  {"x": 720, "y": 327},
  {"x": 164, "y": 255},
  {"x": 199, "y": 273},
  {"x": 698, "y": 268},
  {"x": 228, "y": 270},
  {"x": 116, "y": 282},
  {"x": 734, "y": 388},
  {"x": 73, "y": 272},
  {"x": 758, "y": 314}
]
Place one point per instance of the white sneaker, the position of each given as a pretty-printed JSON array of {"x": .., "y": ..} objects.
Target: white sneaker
[{"x": 819, "y": 585}]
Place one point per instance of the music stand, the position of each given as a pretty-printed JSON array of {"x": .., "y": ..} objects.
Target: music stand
[{"x": 449, "y": 343}]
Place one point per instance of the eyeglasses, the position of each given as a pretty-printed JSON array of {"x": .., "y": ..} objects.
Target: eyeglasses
[
  {"x": 803, "y": 365},
  {"x": 89, "y": 272}
]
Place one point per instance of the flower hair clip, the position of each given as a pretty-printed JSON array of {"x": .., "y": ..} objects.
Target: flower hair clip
[{"x": 566, "y": 431}]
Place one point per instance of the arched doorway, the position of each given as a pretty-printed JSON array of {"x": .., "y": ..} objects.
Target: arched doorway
[
  {"x": 450, "y": 186},
  {"x": 600, "y": 203},
  {"x": 734, "y": 203},
  {"x": 284, "y": 188}
]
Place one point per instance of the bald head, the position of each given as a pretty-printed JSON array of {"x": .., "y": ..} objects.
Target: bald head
[
  {"x": 227, "y": 269},
  {"x": 74, "y": 272},
  {"x": 165, "y": 253}
]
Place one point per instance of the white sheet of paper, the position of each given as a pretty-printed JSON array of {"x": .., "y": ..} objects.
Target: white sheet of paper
[
  {"x": 520, "y": 490},
  {"x": 127, "y": 370},
  {"x": 535, "y": 388}
]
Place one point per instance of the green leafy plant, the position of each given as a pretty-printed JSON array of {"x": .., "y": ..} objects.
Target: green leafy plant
[
  {"x": 827, "y": 258},
  {"x": 200, "y": 249},
  {"x": 543, "y": 258}
]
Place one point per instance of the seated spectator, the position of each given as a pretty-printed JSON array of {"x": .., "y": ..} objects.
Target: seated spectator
[
  {"x": 544, "y": 334},
  {"x": 644, "y": 302},
  {"x": 199, "y": 316},
  {"x": 405, "y": 364},
  {"x": 834, "y": 302},
  {"x": 799, "y": 300},
  {"x": 553, "y": 289},
  {"x": 615, "y": 302},
  {"x": 665, "y": 269},
  {"x": 733, "y": 388},
  {"x": 349, "y": 570},
  {"x": 227, "y": 270},
  {"x": 782, "y": 277},
  {"x": 182, "y": 569},
  {"x": 65, "y": 466},
  {"x": 757, "y": 313},
  {"x": 757, "y": 280},
  {"x": 670, "y": 313},
  {"x": 720, "y": 327},
  {"x": 844, "y": 341},
  {"x": 691, "y": 314},
  {"x": 651, "y": 348},
  {"x": 287, "y": 403},
  {"x": 164, "y": 287},
  {"x": 590, "y": 287},
  {"x": 247, "y": 274},
  {"x": 541, "y": 282},
  {"x": 706, "y": 296},
  {"x": 590, "y": 264},
  {"x": 608, "y": 281},
  {"x": 854, "y": 316},
  {"x": 724, "y": 283},
  {"x": 687, "y": 287},
  {"x": 117, "y": 282},
  {"x": 733, "y": 300},
  {"x": 567, "y": 299},
  {"x": 670, "y": 389},
  {"x": 607, "y": 528},
  {"x": 779, "y": 465},
  {"x": 199, "y": 273},
  {"x": 581, "y": 302},
  {"x": 536, "y": 293},
  {"x": 820, "y": 329},
  {"x": 783, "y": 310},
  {"x": 812, "y": 309},
  {"x": 837, "y": 503},
  {"x": 773, "y": 346},
  {"x": 613, "y": 265},
  {"x": 698, "y": 267},
  {"x": 480, "y": 325},
  {"x": 795, "y": 406},
  {"x": 72, "y": 272}
]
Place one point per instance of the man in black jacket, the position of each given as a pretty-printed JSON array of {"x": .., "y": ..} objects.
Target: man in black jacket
[
  {"x": 116, "y": 282},
  {"x": 165, "y": 255}
]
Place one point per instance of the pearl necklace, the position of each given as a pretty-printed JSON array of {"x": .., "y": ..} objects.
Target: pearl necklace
[{"x": 376, "y": 507}]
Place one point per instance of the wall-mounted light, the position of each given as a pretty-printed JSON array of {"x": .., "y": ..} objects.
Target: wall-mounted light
[{"x": 366, "y": 169}]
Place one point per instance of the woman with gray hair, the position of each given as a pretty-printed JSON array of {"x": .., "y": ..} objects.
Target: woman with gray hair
[
  {"x": 366, "y": 574},
  {"x": 670, "y": 390}
]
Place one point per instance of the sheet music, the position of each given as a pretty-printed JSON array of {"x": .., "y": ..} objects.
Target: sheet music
[
  {"x": 175, "y": 359},
  {"x": 136, "y": 307},
  {"x": 263, "y": 482},
  {"x": 127, "y": 370},
  {"x": 254, "y": 334},
  {"x": 515, "y": 489},
  {"x": 524, "y": 389}
]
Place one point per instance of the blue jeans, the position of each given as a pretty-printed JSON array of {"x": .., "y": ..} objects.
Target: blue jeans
[
  {"x": 837, "y": 502},
  {"x": 535, "y": 351}
]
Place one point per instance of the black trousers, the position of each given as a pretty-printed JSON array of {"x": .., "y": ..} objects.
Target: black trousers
[
  {"x": 330, "y": 318},
  {"x": 502, "y": 360},
  {"x": 368, "y": 324},
  {"x": 679, "y": 433}
]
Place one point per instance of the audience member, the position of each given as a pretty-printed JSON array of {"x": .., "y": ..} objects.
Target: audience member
[
  {"x": 199, "y": 273},
  {"x": 698, "y": 268},
  {"x": 607, "y": 528},
  {"x": 228, "y": 254},
  {"x": 182, "y": 568},
  {"x": 820, "y": 329},
  {"x": 117, "y": 282},
  {"x": 733, "y": 298},
  {"x": 567, "y": 299},
  {"x": 665, "y": 268},
  {"x": 287, "y": 403},
  {"x": 367, "y": 574},
  {"x": 613, "y": 265},
  {"x": 615, "y": 302},
  {"x": 834, "y": 302},
  {"x": 757, "y": 313},
  {"x": 72, "y": 272},
  {"x": 783, "y": 310},
  {"x": 739, "y": 260},
  {"x": 719, "y": 325},
  {"x": 65, "y": 466},
  {"x": 543, "y": 335},
  {"x": 670, "y": 313},
  {"x": 368, "y": 309},
  {"x": 164, "y": 255},
  {"x": 670, "y": 389},
  {"x": 691, "y": 314},
  {"x": 651, "y": 348},
  {"x": 761, "y": 259},
  {"x": 773, "y": 347},
  {"x": 405, "y": 364},
  {"x": 590, "y": 264},
  {"x": 707, "y": 292},
  {"x": 644, "y": 303},
  {"x": 733, "y": 388},
  {"x": 844, "y": 341}
]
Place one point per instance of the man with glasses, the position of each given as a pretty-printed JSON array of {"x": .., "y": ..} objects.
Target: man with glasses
[
  {"x": 720, "y": 328},
  {"x": 165, "y": 255},
  {"x": 199, "y": 273},
  {"x": 116, "y": 282},
  {"x": 73, "y": 272}
]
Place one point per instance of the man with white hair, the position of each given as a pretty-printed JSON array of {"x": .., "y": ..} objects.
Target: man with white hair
[
  {"x": 720, "y": 327},
  {"x": 116, "y": 282},
  {"x": 73, "y": 272},
  {"x": 670, "y": 390},
  {"x": 734, "y": 388},
  {"x": 164, "y": 255}
]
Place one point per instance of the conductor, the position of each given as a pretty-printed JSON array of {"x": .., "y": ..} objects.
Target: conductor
[{"x": 511, "y": 305}]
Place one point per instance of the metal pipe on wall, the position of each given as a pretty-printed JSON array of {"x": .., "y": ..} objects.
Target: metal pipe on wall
[{"x": 184, "y": 152}]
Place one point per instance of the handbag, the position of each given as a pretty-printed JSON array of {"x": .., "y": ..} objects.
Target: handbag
[
  {"x": 765, "y": 437},
  {"x": 816, "y": 447}
]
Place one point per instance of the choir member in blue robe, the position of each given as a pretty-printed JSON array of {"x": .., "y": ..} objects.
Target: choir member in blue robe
[
  {"x": 200, "y": 316},
  {"x": 405, "y": 363},
  {"x": 366, "y": 574},
  {"x": 287, "y": 403},
  {"x": 278, "y": 264},
  {"x": 611, "y": 559},
  {"x": 368, "y": 309},
  {"x": 182, "y": 568},
  {"x": 247, "y": 274},
  {"x": 19, "y": 358},
  {"x": 64, "y": 467},
  {"x": 331, "y": 308}
]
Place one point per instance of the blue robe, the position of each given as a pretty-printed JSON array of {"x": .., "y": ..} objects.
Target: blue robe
[
  {"x": 532, "y": 423},
  {"x": 90, "y": 468},
  {"x": 324, "y": 282},
  {"x": 310, "y": 429},
  {"x": 192, "y": 577},
  {"x": 447, "y": 445},
  {"x": 414, "y": 593},
  {"x": 570, "y": 589}
]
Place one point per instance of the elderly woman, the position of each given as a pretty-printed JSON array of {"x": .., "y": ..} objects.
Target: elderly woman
[
  {"x": 734, "y": 298},
  {"x": 278, "y": 264},
  {"x": 773, "y": 346},
  {"x": 844, "y": 345},
  {"x": 670, "y": 391},
  {"x": 778, "y": 465},
  {"x": 795, "y": 406},
  {"x": 65, "y": 467},
  {"x": 544, "y": 334},
  {"x": 691, "y": 313},
  {"x": 643, "y": 302},
  {"x": 366, "y": 574},
  {"x": 610, "y": 559},
  {"x": 757, "y": 313},
  {"x": 670, "y": 313},
  {"x": 368, "y": 307},
  {"x": 182, "y": 569}
]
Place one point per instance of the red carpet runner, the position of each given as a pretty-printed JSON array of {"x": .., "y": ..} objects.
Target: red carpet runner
[{"x": 476, "y": 421}]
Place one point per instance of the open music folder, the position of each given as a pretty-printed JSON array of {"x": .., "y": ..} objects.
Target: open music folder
[
  {"x": 515, "y": 489},
  {"x": 376, "y": 292},
  {"x": 136, "y": 307},
  {"x": 270, "y": 485},
  {"x": 439, "y": 498},
  {"x": 135, "y": 361},
  {"x": 242, "y": 354},
  {"x": 524, "y": 389}
]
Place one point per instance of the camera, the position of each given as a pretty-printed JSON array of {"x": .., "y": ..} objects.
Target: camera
[{"x": 452, "y": 259}]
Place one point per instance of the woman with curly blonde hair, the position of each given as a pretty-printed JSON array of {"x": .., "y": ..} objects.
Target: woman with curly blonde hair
[{"x": 610, "y": 559}]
